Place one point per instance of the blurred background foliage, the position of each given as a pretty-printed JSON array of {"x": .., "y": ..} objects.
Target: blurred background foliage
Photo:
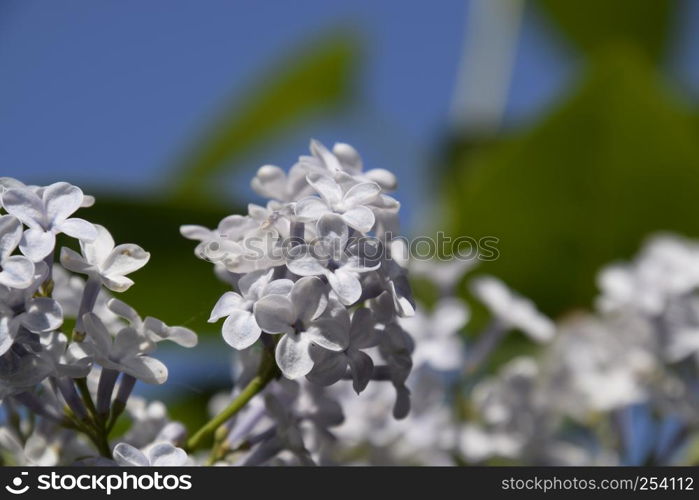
[{"x": 613, "y": 157}]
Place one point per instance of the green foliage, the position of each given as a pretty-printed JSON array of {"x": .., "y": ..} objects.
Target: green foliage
[
  {"x": 313, "y": 79},
  {"x": 593, "y": 24},
  {"x": 617, "y": 161},
  {"x": 175, "y": 286}
]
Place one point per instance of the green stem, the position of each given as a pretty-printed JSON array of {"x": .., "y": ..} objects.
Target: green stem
[
  {"x": 87, "y": 397},
  {"x": 267, "y": 372}
]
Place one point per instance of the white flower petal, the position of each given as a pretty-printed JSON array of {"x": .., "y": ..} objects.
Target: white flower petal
[
  {"x": 125, "y": 259},
  {"x": 117, "y": 283},
  {"x": 194, "y": 232},
  {"x": 98, "y": 250},
  {"x": 327, "y": 188},
  {"x": 360, "y": 218},
  {"x": 166, "y": 455},
  {"x": 73, "y": 261},
  {"x": 17, "y": 272},
  {"x": 37, "y": 244},
  {"x": 362, "y": 369},
  {"x": 61, "y": 200},
  {"x": 10, "y": 235},
  {"x": 270, "y": 182},
  {"x": 145, "y": 368},
  {"x": 328, "y": 367},
  {"x": 334, "y": 231},
  {"x": 98, "y": 333},
  {"x": 42, "y": 315},
  {"x": 78, "y": 228},
  {"x": 346, "y": 285},
  {"x": 240, "y": 330},
  {"x": 304, "y": 261},
  {"x": 278, "y": 287},
  {"x": 387, "y": 180},
  {"x": 361, "y": 194},
  {"x": 310, "y": 209},
  {"x": 309, "y": 298},
  {"x": 275, "y": 314},
  {"x": 292, "y": 356},
  {"x": 128, "y": 456},
  {"x": 328, "y": 334},
  {"x": 24, "y": 204},
  {"x": 225, "y": 306}
]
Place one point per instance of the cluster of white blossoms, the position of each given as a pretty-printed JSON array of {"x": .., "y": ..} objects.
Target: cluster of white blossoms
[
  {"x": 334, "y": 361},
  {"x": 70, "y": 353},
  {"x": 317, "y": 275},
  {"x": 596, "y": 380}
]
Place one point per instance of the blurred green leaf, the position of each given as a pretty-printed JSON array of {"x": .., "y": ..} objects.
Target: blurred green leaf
[
  {"x": 315, "y": 78},
  {"x": 175, "y": 286},
  {"x": 617, "y": 161},
  {"x": 595, "y": 23}
]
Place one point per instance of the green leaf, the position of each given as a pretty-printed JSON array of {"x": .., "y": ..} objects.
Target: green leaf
[
  {"x": 175, "y": 286},
  {"x": 593, "y": 24},
  {"x": 585, "y": 186},
  {"x": 309, "y": 80}
]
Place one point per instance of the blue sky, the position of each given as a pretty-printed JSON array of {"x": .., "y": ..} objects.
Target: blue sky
[{"x": 107, "y": 94}]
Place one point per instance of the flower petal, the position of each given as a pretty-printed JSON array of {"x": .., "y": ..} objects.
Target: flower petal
[
  {"x": 73, "y": 261},
  {"x": 225, "y": 306},
  {"x": 98, "y": 250},
  {"x": 240, "y": 330},
  {"x": 278, "y": 287},
  {"x": 346, "y": 285},
  {"x": 145, "y": 368},
  {"x": 10, "y": 235},
  {"x": 328, "y": 367},
  {"x": 194, "y": 232},
  {"x": 61, "y": 200},
  {"x": 304, "y": 261},
  {"x": 360, "y": 218},
  {"x": 166, "y": 455},
  {"x": 270, "y": 182},
  {"x": 17, "y": 272},
  {"x": 117, "y": 283},
  {"x": 125, "y": 259},
  {"x": 78, "y": 228},
  {"x": 275, "y": 314},
  {"x": 128, "y": 456},
  {"x": 42, "y": 315},
  {"x": 310, "y": 209},
  {"x": 37, "y": 244},
  {"x": 362, "y": 369},
  {"x": 309, "y": 298},
  {"x": 24, "y": 204},
  {"x": 361, "y": 194},
  {"x": 328, "y": 333},
  {"x": 98, "y": 333},
  {"x": 333, "y": 230},
  {"x": 327, "y": 188},
  {"x": 292, "y": 356}
]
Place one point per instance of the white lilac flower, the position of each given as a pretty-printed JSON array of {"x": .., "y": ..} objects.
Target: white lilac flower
[
  {"x": 273, "y": 183},
  {"x": 306, "y": 316},
  {"x": 350, "y": 204},
  {"x": 68, "y": 359},
  {"x": 230, "y": 229},
  {"x": 240, "y": 329},
  {"x": 331, "y": 366},
  {"x": 46, "y": 213},
  {"x": 16, "y": 271},
  {"x": 35, "y": 314},
  {"x": 511, "y": 309},
  {"x": 152, "y": 328},
  {"x": 102, "y": 260},
  {"x": 437, "y": 341},
  {"x": 445, "y": 274},
  {"x": 157, "y": 455},
  {"x": 332, "y": 258},
  {"x": 9, "y": 183},
  {"x": 667, "y": 267},
  {"x": 127, "y": 352}
]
